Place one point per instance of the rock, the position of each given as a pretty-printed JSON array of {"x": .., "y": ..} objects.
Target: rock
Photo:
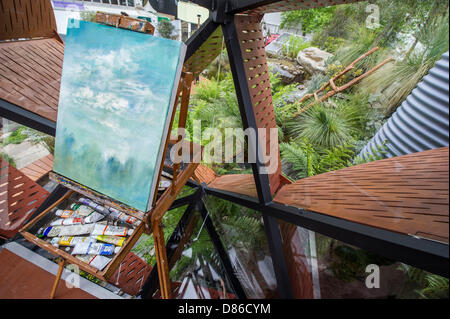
[
  {"x": 294, "y": 96},
  {"x": 288, "y": 71},
  {"x": 313, "y": 60}
]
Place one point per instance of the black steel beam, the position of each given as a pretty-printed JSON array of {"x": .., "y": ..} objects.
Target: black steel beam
[
  {"x": 418, "y": 252},
  {"x": 275, "y": 242},
  {"x": 180, "y": 202},
  {"x": 19, "y": 115},
  {"x": 223, "y": 255}
]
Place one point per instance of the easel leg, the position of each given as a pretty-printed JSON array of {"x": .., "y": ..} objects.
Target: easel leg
[
  {"x": 162, "y": 262},
  {"x": 58, "y": 277}
]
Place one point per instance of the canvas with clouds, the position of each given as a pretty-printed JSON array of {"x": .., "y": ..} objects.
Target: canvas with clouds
[{"x": 116, "y": 94}]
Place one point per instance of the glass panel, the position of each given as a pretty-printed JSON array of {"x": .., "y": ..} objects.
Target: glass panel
[
  {"x": 242, "y": 233},
  {"x": 199, "y": 273},
  {"x": 28, "y": 150},
  {"x": 322, "y": 267}
]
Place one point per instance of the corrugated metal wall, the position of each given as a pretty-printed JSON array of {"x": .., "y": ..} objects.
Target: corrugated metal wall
[{"x": 421, "y": 122}]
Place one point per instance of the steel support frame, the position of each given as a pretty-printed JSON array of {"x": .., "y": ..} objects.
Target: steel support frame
[
  {"x": 19, "y": 115},
  {"x": 271, "y": 226},
  {"x": 195, "y": 203},
  {"x": 223, "y": 255},
  {"x": 422, "y": 253}
]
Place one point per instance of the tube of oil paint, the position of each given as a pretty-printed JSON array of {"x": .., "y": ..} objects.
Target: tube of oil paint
[
  {"x": 117, "y": 214},
  {"x": 66, "y": 213},
  {"x": 95, "y": 249},
  {"x": 100, "y": 229},
  {"x": 115, "y": 240},
  {"x": 82, "y": 210},
  {"x": 97, "y": 261},
  {"x": 93, "y": 205},
  {"x": 73, "y": 230},
  {"x": 71, "y": 241},
  {"x": 93, "y": 217},
  {"x": 67, "y": 221}
]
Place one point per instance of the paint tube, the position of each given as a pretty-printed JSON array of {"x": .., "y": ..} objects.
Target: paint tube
[
  {"x": 97, "y": 261},
  {"x": 115, "y": 240},
  {"x": 100, "y": 229},
  {"x": 82, "y": 210},
  {"x": 93, "y": 218},
  {"x": 73, "y": 230},
  {"x": 117, "y": 214},
  {"x": 95, "y": 249},
  {"x": 67, "y": 221},
  {"x": 66, "y": 213},
  {"x": 51, "y": 231},
  {"x": 93, "y": 205},
  {"x": 71, "y": 241}
]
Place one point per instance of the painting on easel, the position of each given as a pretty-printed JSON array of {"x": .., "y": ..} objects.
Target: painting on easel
[{"x": 117, "y": 95}]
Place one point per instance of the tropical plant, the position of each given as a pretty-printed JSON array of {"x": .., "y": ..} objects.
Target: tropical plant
[
  {"x": 324, "y": 126},
  {"x": 301, "y": 157},
  {"x": 396, "y": 81},
  {"x": 430, "y": 286},
  {"x": 293, "y": 46},
  {"x": 310, "y": 20}
]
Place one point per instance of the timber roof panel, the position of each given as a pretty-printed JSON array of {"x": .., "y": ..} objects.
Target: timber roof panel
[{"x": 30, "y": 75}]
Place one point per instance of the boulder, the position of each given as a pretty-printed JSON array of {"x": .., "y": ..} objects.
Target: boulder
[
  {"x": 288, "y": 71},
  {"x": 313, "y": 60}
]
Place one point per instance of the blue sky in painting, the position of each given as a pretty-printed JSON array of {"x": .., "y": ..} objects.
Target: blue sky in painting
[{"x": 115, "y": 92}]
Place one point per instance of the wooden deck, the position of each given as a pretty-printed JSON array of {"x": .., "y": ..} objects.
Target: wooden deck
[
  {"x": 237, "y": 183},
  {"x": 406, "y": 194},
  {"x": 38, "y": 168},
  {"x": 30, "y": 75}
]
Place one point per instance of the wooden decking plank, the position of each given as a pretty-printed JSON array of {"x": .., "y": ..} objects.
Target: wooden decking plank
[{"x": 406, "y": 194}]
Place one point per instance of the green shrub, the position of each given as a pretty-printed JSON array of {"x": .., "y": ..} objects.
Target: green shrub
[
  {"x": 324, "y": 126},
  {"x": 16, "y": 137},
  {"x": 293, "y": 46}
]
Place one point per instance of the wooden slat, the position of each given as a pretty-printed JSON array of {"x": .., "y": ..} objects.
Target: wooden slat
[
  {"x": 253, "y": 51},
  {"x": 406, "y": 194},
  {"x": 30, "y": 75},
  {"x": 204, "y": 174},
  {"x": 237, "y": 183},
  {"x": 26, "y": 19},
  {"x": 38, "y": 168}
]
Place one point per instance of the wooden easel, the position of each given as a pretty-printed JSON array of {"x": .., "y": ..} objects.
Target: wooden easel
[
  {"x": 177, "y": 183},
  {"x": 61, "y": 264},
  {"x": 154, "y": 217},
  {"x": 161, "y": 204}
]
